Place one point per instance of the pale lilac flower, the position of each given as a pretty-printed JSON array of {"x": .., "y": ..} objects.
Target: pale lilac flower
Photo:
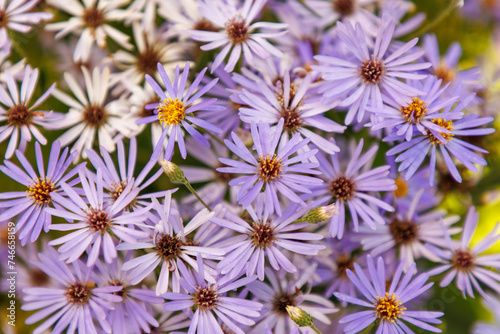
[
  {"x": 169, "y": 243},
  {"x": 239, "y": 33},
  {"x": 206, "y": 302},
  {"x": 96, "y": 221},
  {"x": 133, "y": 313},
  {"x": 91, "y": 113},
  {"x": 176, "y": 103},
  {"x": 32, "y": 203},
  {"x": 16, "y": 16},
  {"x": 75, "y": 304},
  {"x": 352, "y": 186},
  {"x": 465, "y": 263},
  {"x": 19, "y": 115},
  {"x": 360, "y": 82},
  {"x": 280, "y": 292},
  {"x": 266, "y": 236},
  {"x": 386, "y": 304},
  {"x": 274, "y": 171}
]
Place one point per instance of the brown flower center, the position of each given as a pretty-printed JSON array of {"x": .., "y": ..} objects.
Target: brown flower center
[
  {"x": 204, "y": 25},
  {"x": 389, "y": 308},
  {"x": 148, "y": 60},
  {"x": 281, "y": 301},
  {"x": 40, "y": 191},
  {"x": 448, "y": 125},
  {"x": 415, "y": 111},
  {"x": 123, "y": 292},
  {"x": 343, "y": 7},
  {"x": 206, "y": 298},
  {"x": 3, "y": 19},
  {"x": 463, "y": 260},
  {"x": 169, "y": 247},
  {"x": 78, "y": 294},
  {"x": 98, "y": 220},
  {"x": 262, "y": 234},
  {"x": 19, "y": 115},
  {"x": 147, "y": 112},
  {"x": 372, "y": 71},
  {"x": 292, "y": 119},
  {"x": 237, "y": 30},
  {"x": 342, "y": 188},
  {"x": 93, "y": 18},
  {"x": 95, "y": 115},
  {"x": 344, "y": 262},
  {"x": 116, "y": 189},
  {"x": 402, "y": 231},
  {"x": 270, "y": 168}
]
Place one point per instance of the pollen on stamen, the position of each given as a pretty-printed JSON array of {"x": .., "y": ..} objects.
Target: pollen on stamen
[
  {"x": 19, "y": 115},
  {"x": 206, "y": 298},
  {"x": 444, "y": 73},
  {"x": 262, "y": 234},
  {"x": 169, "y": 247},
  {"x": 415, "y": 111},
  {"x": 98, "y": 220},
  {"x": 372, "y": 71},
  {"x": 270, "y": 167},
  {"x": 77, "y": 294},
  {"x": 342, "y": 188},
  {"x": 171, "y": 112},
  {"x": 237, "y": 30},
  {"x": 448, "y": 125},
  {"x": 389, "y": 307},
  {"x": 40, "y": 191}
]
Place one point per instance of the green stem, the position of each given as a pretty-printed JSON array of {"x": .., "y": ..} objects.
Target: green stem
[
  {"x": 447, "y": 11},
  {"x": 315, "y": 329},
  {"x": 191, "y": 189}
]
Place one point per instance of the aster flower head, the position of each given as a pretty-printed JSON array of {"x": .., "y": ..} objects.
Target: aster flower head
[
  {"x": 16, "y": 15},
  {"x": 206, "y": 302},
  {"x": 264, "y": 236},
  {"x": 176, "y": 105},
  {"x": 75, "y": 304},
  {"x": 97, "y": 222},
  {"x": 290, "y": 100},
  {"x": 274, "y": 171},
  {"x": 169, "y": 243},
  {"x": 387, "y": 304},
  {"x": 116, "y": 180},
  {"x": 465, "y": 263},
  {"x": 352, "y": 187},
  {"x": 239, "y": 33},
  {"x": 91, "y": 20},
  {"x": 280, "y": 292},
  {"x": 20, "y": 115},
  {"x": 93, "y": 113},
  {"x": 32, "y": 203},
  {"x": 412, "y": 153},
  {"x": 360, "y": 82},
  {"x": 133, "y": 313}
]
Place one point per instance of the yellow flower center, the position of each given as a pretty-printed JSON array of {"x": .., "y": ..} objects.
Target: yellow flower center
[
  {"x": 402, "y": 188},
  {"x": 389, "y": 308},
  {"x": 270, "y": 167},
  {"x": 171, "y": 111},
  {"x": 415, "y": 111},
  {"x": 444, "y": 73},
  {"x": 40, "y": 191},
  {"x": 448, "y": 125}
]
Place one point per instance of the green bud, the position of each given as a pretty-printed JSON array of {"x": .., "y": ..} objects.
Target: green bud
[
  {"x": 174, "y": 173},
  {"x": 318, "y": 215},
  {"x": 299, "y": 316}
]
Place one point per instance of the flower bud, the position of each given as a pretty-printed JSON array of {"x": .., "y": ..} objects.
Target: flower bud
[
  {"x": 299, "y": 316},
  {"x": 174, "y": 173},
  {"x": 319, "y": 214}
]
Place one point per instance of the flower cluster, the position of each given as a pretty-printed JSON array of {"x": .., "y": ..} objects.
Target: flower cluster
[{"x": 247, "y": 166}]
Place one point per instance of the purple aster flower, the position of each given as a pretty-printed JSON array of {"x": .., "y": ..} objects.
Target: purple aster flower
[
  {"x": 289, "y": 99},
  {"x": 16, "y": 16},
  {"x": 32, "y": 204},
  {"x": 281, "y": 292},
  {"x": 386, "y": 304},
  {"x": 238, "y": 34},
  {"x": 169, "y": 242},
  {"x": 176, "y": 105},
  {"x": 96, "y": 221},
  {"x": 133, "y": 313},
  {"x": 274, "y": 171},
  {"x": 465, "y": 263},
  {"x": 75, "y": 304},
  {"x": 115, "y": 182},
  {"x": 406, "y": 233},
  {"x": 20, "y": 117},
  {"x": 352, "y": 186},
  {"x": 207, "y": 302},
  {"x": 412, "y": 153},
  {"x": 408, "y": 115},
  {"x": 266, "y": 236},
  {"x": 360, "y": 81}
]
